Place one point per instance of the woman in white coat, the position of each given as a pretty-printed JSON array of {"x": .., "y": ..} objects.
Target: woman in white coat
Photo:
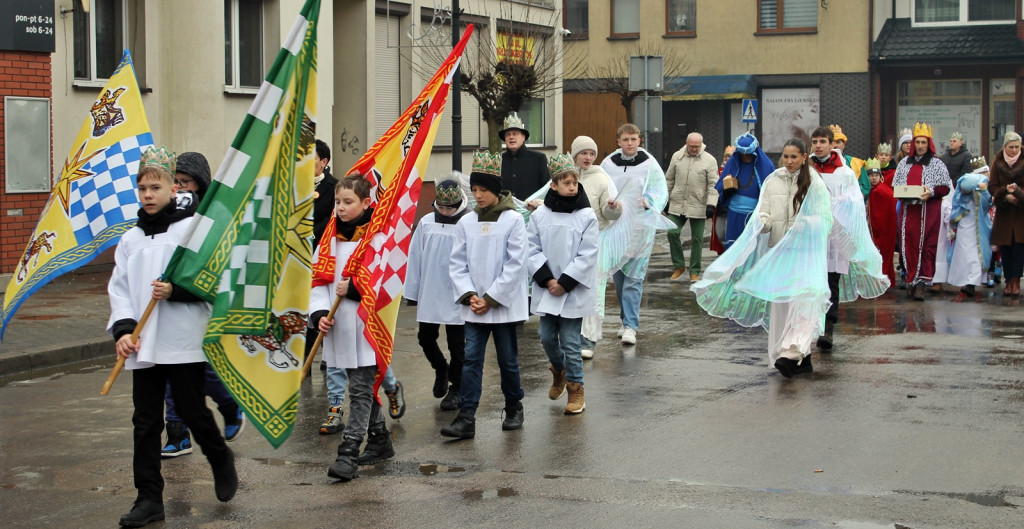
[{"x": 775, "y": 274}]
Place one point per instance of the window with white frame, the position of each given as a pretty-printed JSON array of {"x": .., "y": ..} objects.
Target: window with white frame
[
  {"x": 243, "y": 44},
  {"x": 787, "y": 15},
  {"x": 532, "y": 114},
  {"x": 99, "y": 38},
  {"x": 960, "y": 11}
]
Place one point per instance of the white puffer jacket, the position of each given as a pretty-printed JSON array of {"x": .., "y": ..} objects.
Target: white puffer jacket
[{"x": 776, "y": 206}]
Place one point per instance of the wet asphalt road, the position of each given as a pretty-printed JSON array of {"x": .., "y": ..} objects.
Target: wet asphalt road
[{"x": 916, "y": 420}]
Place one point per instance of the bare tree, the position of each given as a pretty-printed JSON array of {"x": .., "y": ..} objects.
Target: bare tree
[
  {"x": 532, "y": 64},
  {"x": 612, "y": 74}
]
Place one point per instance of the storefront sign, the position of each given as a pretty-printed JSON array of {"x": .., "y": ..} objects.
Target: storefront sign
[
  {"x": 788, "y": 113},
  {"x": 27, "y": 25},
  {"x": 946, "y": 119}
]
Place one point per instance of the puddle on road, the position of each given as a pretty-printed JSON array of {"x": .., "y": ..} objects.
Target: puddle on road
[
  {"x": 988, "y": 500},
  {"x": 504, "y": 492},
  {"x": 431, "y": 469}
]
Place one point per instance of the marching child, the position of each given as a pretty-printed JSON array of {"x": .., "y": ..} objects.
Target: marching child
[
  {"x": 972, "y": 228},
  {"x": 170, "y": 348},
  {"x": 488, "y": 273},
  {"x": 345, "y": 346},
  {"x": 881, "y": 207},
  {"x": 562, "y": 260},
  {"x": 427, "y": 280}
]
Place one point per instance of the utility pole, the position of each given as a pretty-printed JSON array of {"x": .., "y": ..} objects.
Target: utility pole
[{"x": 456, "y": 94}]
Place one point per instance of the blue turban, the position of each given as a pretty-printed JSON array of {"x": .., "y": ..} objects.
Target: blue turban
[{"x": 746, "y": 143}]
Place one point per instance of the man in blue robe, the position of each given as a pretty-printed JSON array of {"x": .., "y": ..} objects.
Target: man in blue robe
[{"x": 740, "y": 184}]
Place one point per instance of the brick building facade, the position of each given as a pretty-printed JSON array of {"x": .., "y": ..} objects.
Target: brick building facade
[{"x": 23, "y": 74}]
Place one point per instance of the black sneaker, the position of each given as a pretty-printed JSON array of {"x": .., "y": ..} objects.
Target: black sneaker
[
  {"x": 378, "y": 448},
  {"x": 804, "y": 366},
  {"x": 225, "y": 478},
  {"x": 396, "y": 401},
  {"x": 463, "y": 427},
  {"x": 513, "y": 416},
  {"x": 178, "y": 441},
  {"x": 346, "y": 467},
  {"x": 143, "y": 512},
  {"x": 451, "y": 401},
  {"x": 785, "y": 366}
]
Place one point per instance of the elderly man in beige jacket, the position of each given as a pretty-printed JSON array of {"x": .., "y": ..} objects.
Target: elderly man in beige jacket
[{"x": 691, "y": 178}]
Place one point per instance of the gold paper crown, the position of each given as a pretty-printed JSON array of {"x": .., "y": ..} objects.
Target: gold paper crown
[
  {"x": 559, "y": 164},
  {"x": 158, "y": 157},
  {"x": 837, "y": 132},
  {"x": 922, "y": 129},
  {"x": 978, "y": 162},
  {"x": 487, "y": 163},
  {"x": 884, "y": 148},
  {"x": 957, "y": 136},
  {"x": 872, "y": 164}
]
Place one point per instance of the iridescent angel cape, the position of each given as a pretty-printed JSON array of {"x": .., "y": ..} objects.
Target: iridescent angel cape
[
  {"x": 744, "y": 280},
  {"x": 851, "y": 238}
]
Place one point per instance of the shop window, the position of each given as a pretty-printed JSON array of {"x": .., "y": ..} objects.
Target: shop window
[
  {"x": 577, "y": 21},
  {"x": 948, "y": 106},
  {"x": 960, "y": 11},
  {"x": 626, "y": 18},
  {"x": 787, "y": 15},
  {"x": 681, "y": 17},
  {"x": 243, "y": 44},
  {"x": 99, "y": 38}
]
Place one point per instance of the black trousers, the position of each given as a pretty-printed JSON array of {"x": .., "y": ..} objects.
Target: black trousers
[
  {"x": 1013, "y": 260},
  {"x": 833, "y": 288},
  {"x": 456, "y": 335},
  {"x": 187, "y": 385}
]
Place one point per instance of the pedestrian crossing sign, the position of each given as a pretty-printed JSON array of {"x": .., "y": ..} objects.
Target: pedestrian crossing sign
[{"x": 749, "y": 111}]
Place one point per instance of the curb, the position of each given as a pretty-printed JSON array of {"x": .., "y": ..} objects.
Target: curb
[{"x": 42, "y": 358}]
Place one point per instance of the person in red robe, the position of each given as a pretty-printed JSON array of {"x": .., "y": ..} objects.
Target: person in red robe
[
  {"x": 882, "y": 216},
  {"x": 883, "y": 153},
  {"x": 919, "y": 219}
]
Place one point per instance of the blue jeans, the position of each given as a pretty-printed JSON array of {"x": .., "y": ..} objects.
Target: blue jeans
[
  {"x": 586, "y": 343},
  {"x": 337, "y": 383},
  {"x": 213, "y": 387},
  {"x": 473, "y": 368},
  {"x": 628, "y": 291},
  {"x": 561, "y": 340}
]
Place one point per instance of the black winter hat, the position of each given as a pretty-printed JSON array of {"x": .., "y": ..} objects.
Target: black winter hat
[{"x": 195, "y": 165}]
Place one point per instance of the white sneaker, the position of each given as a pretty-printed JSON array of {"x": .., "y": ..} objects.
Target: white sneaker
[
  {"x": 587, "y": 354},
  {"x": 629, "y": 337},
  {"x": 622, "y": 329}
]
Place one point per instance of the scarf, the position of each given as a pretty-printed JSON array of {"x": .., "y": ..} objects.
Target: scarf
[
  {"x": 1010, "y": 161},
  {"x": 180, "y": 207},
  {"x": 562, "y": 204},
  {"x": 491, "y": 213},
  {"x": 324, "y": 267}
]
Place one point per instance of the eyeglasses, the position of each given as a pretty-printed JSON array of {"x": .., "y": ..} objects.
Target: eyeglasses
[{"x": 183, "y": 182}]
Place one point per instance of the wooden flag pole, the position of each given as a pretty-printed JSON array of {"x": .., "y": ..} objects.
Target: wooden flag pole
[
  {"x": 319, "y": 340},
  {"x": 135, "y": 339}
]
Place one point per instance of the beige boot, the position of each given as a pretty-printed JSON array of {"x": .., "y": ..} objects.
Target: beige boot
[
  {"x": 576, "y": 404},
  {"x": 557, "y": 383}
]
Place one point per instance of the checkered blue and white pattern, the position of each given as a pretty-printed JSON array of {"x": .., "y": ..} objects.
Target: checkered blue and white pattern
[{"x": 108, "y": 198}]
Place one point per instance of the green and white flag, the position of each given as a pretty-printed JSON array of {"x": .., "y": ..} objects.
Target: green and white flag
[{"x": 248, "y": 250}]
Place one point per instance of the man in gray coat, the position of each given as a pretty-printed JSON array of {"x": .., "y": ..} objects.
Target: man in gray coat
[{"x": 691, "y": 178}]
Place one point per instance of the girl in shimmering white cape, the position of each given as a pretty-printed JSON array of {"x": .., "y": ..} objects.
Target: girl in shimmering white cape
[{"x": 775, "y": 274}]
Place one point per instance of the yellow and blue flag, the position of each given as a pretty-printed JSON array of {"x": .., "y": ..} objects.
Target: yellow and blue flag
[{"x": 95, "y": 200}]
